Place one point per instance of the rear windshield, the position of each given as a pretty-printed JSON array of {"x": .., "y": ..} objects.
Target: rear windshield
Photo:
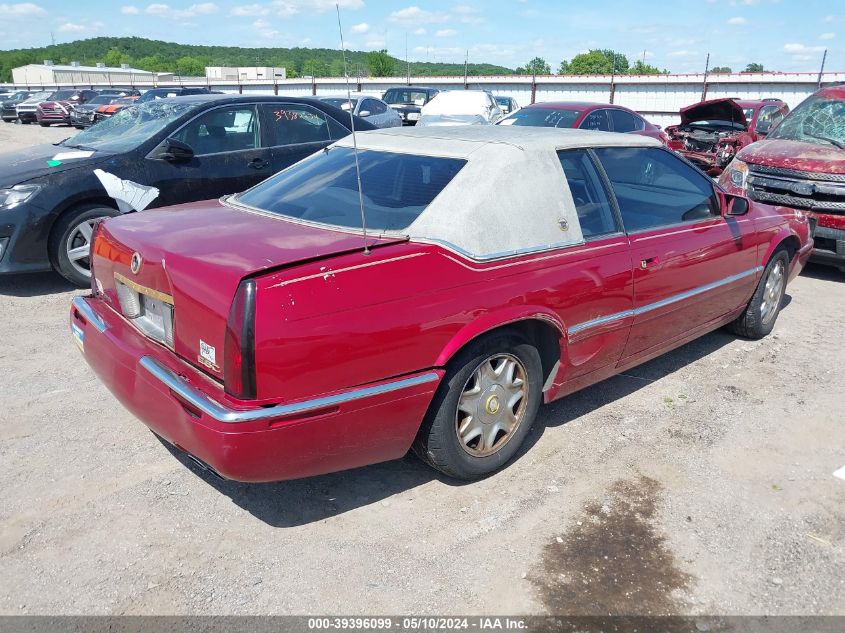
[
  {"x": 406, "y": 96},
  {"x": 324, "y": 188},
  {"x": 339, "y": 102},
  {"x": 542, "y": 117}
]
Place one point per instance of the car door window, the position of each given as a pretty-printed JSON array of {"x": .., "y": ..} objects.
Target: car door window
[
  {"x": 296, "y": 123},
  {"x": 596, "y": 120},
  {"x": 229, "y": 129},
  {"x": 625, "y": 121},
  {"x": 769, "y": 117},
  {"x": 376, "y": 107},
  {"x": 591, "y": 199},
  {"x": 655, "y": 188}
]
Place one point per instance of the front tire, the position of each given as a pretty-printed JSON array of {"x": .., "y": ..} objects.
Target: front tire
[
  {"x": 44, "y": 124},
  {"x": 762, "y": 311},
  {"x": 70, "y": 241},
  {"x": 484, "y": 408}
]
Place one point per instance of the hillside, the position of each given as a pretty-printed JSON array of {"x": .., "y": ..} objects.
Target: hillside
[{"x": 190, "y": 60}]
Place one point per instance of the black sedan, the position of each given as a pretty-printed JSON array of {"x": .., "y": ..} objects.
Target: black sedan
[
  {"x": 408, "y": 101},
  {"x": 189, "y": 148}
]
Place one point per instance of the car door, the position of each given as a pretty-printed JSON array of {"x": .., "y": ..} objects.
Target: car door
[
  {"x": 691, "y": 265},
  {"x": 624, "y": 121},
  {"x": 596, "y": 120},
  {"x": 228, "y": 157},
  {"x": 770, "y": 116},
  {"x": 294, "y": 131},
  {"x": 379, "y": 116}
]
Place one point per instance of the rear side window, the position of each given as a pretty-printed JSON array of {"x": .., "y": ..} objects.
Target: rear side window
[
  {"x": 596, "y": 120},
  {"x": 294, "y": 124},
  {"x": 591, "y": 200},
  {"x": 324, "y": 188},
  {"x": 625, "y": 121},
  {"x": 655, "y": 188}
]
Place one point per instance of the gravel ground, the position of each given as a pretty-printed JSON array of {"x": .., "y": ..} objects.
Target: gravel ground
[{"x": 698, "y": 483}]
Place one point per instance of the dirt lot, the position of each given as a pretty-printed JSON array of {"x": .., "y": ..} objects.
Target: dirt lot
[{"x": 698, "y": 483}]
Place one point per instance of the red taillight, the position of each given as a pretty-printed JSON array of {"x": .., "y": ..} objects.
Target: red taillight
[
  {"x": 91, "y": 249},
  {"x": 239, "y": 346}
]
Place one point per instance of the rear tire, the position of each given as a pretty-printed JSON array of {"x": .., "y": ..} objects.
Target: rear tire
[
  {"x": 70, "y": 239},
  {"x": 484, "y": 407},
  {"x": 762, "y": 311},
  {"x": 44, "y": 124}
]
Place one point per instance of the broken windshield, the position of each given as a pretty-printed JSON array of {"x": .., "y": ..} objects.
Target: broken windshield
[
  {"x": 130, "y": 127},
  {"x": 818, "y": 120}
]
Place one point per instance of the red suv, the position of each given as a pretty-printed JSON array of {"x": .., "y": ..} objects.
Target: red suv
[
  {"x": 801, "y": 165},
  {"x": 58, "y": 108}
]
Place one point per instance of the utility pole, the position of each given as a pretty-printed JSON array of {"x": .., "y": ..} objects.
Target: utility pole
[
  {"x": 52, "y": 39},
  {"x": 821, "y": 70},
  {"x": 704, "y": 85},
  {"x": 466, "y": 70},
  {"x": 407, "y": 61},
  {"x": 613, "y": 79}
]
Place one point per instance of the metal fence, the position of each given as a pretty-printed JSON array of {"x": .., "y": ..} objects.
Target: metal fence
[{"x": 657, "y": 97}]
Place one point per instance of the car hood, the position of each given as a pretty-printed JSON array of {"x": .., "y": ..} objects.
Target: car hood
[
  {"x": 797, "y": 155},
  {"x": 26, "y": 164},
  {"x": 715, "y": 110}
]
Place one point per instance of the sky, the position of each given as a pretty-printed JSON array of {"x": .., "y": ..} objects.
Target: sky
[{"x": 785, "y": 35}]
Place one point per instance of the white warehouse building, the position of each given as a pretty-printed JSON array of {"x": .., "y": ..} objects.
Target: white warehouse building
[
  {"x": 244, "y": 73},
  {"x": 75, "y": 73}
]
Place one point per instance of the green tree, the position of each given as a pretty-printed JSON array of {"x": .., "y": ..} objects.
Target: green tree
[
  {"x": 315, "y": 68},
  {"x": 754, "y": 67},
  {"x": 537, "y": 66},
  {"x": 721, "y": 69},
  {"x": 641, "y": 68},
  {"x": 336, "y": 68},
  {"x": 598, "y": 62},
  {"x": 190, "y": 67},
  {"x": 115, "y": 57},
  {"x": 380, "y": 63}
]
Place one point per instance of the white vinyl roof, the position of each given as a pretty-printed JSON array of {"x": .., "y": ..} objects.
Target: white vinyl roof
[{"x": 510, "y": 197}]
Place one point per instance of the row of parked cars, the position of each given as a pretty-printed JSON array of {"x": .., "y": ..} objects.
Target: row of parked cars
[{"x": 291, "y": 300}]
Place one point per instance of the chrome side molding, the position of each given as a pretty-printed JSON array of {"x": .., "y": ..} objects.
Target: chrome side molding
[{"x": 218, "y": 412}]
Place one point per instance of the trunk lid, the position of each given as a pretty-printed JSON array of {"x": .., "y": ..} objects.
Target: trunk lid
[
  {"x": 714, "y": 110},
  {"x": 193, "y": 256}
]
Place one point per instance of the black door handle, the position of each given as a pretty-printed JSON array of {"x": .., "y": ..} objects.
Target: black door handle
[{"x": 258, "y": 163}]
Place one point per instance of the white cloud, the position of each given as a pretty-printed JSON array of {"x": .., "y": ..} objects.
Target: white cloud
[
  {"x": 800, "y": 49},
  {"x": 376, "y": 43},
  {"x": 361, "y": 28},
  {"x": 261, "y": 23},
  {"x": 827, "y": 36},
  {"x": 71, "y": 27},
  {"x": 164, "y": 10},
  {"x": 737, "y": 21},
  {"x": 681, "y": 53},
  {"x": 80, "y": 27},
  {"x": 446, "y": 33},
  {"x": 130, "y": 10},
  {"x": 420, "y": 31},
  {"x": 468, "y": 15},
  {"x": 287, "y": 8},
  {"x": 21, "y": 10},
  {"x": 415, "y": 15},
  {"x": 250, "y": 10}
]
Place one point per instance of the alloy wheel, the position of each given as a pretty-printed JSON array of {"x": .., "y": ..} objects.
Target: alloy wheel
[
  {"x": 78, "y": 245},
  {"x": 773, "y": 292}
]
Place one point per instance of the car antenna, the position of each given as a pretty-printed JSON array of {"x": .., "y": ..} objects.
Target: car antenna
[{"x": 354, "y": 138}]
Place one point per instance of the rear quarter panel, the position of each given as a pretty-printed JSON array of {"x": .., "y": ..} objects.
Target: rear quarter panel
[{"x": 354, "y": 319}]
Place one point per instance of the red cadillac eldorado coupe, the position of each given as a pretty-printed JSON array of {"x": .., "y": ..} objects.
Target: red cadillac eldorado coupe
[{"x": 270, "y": 337}]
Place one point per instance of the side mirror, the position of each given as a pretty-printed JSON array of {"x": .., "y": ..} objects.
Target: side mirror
[
  {"x": 176, "y": 151},
  {"x": 763, "y": 128},
  {"x": 364, "y": 114},
  {"x": 737, "y": 205}
]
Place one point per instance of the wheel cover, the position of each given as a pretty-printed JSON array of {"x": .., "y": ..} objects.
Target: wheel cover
[
  {"x": 492, "y": 405},
  {"x": 773, "y": 292},
  {"x": 78, "y": 245}
]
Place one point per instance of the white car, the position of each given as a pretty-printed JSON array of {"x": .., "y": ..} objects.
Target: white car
[
  {"x": 26, "y": 109},
  {"x": 461, "y": 107},
  {"x": 367, "y": 107}
]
